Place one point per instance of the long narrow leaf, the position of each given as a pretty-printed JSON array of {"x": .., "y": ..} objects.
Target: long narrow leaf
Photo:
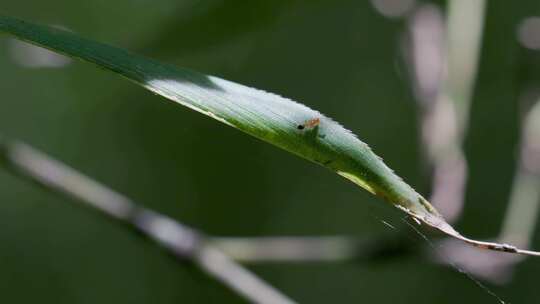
[{"x": 269, "y": 117}]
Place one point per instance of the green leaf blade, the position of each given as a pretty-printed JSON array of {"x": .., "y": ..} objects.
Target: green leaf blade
[
  {"x": 269, "y": 117},
  {"x": 266, "y": 116}
]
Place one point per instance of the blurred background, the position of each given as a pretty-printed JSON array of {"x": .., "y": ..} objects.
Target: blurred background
[{"x": 442, "y": 90}]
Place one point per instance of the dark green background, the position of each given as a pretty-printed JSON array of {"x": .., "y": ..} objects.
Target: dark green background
[{"x": 340, "y": 57}]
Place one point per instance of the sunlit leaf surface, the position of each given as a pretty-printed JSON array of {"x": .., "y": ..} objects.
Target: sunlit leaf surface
[{"x": 285, "y": 123}]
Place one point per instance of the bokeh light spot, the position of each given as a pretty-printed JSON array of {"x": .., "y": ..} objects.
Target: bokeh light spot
[{"x": 529, "y": 33}]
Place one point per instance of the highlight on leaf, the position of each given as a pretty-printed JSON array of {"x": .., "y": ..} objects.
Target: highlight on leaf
[{"x": 277, "y": 120}]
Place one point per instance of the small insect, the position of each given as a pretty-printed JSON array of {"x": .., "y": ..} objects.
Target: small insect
[{"x": 309, "y": 124}]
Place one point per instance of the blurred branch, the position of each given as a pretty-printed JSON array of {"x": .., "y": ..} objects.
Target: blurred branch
[
  {"x": 212, "y": 254},
  {"x": 465, "y": 28},
  {"x": 181, "y": 240},
  {"x": 522, "y": 212},
  {"x": 290, "y": 249},
  {"x": 438, "y": 116},
  {"x": 445, "y": 64},
  {"x": 444, "y": 60}
]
